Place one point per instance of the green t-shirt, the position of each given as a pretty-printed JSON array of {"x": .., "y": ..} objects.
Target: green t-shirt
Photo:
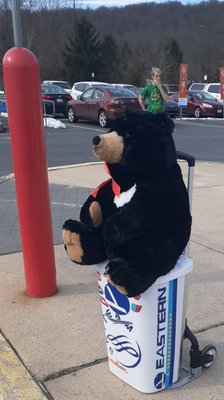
[{"x": 155, "y": 100}]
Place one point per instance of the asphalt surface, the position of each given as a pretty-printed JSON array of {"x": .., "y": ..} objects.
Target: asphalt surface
[
  {"x": 203, "y": 138},
  {"x": 65, "y": 201}
]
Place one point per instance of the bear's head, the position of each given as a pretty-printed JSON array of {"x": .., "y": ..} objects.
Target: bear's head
[{"x": 137, "y": 147}]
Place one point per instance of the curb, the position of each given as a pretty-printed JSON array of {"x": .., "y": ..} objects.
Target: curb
[
  {"x": 4, "y": 178},
  {"x": 15, "y": 378}
]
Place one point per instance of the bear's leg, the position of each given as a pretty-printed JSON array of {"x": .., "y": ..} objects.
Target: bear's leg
[{"x": 83, "y": 246}]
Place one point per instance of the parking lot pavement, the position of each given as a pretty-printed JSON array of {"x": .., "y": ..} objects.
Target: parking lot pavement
[{"x": 66, "y": 201}]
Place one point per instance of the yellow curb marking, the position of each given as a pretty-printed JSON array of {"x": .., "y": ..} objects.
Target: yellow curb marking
[{"x": 15, "y": 381}]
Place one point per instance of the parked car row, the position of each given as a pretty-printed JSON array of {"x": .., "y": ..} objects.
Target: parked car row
[
  {"x": 79, "y": 87},
  {"x": 103, "y": 102}
]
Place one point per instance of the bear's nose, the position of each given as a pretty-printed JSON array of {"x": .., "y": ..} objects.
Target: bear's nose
[{"x": 96, "y": 140}]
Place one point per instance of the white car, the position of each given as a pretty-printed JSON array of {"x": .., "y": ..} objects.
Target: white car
[
  {"x": 124, "y": 85},
  {"x": 212, "y": 88},
  {"x": 79, "y": 87},
  {"x": 63, "y": 84},
  {"x": 197, "y": 86}
]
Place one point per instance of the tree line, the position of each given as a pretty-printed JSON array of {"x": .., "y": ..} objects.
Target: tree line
[{"x": 119, "y": 44}]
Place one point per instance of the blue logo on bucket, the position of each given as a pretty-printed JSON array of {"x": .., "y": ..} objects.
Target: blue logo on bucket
[
  {"x": 159, "y": 380},
  {"x": 128, "y": 352},
  {"x": 116, "y": 300}
]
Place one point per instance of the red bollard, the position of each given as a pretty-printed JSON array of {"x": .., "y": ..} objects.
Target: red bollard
[{"x": 22, "y": 87}]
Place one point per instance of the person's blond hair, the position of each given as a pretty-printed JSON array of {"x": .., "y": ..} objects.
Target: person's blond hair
[{"x": 155, "y": 71}]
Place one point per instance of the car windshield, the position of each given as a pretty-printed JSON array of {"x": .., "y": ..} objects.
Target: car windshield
[
  {"x": 100, "y": 84},
  {"x": 52, "y": 89},
  {"x": 173, "y": 88},
  {"x": 136, "y": 90},
  {"x": 197, "y": 86},
  {"x": 204, "y": 96},
  {"x": 214, "y": 88},
  {"x": 63, "y": 85},
  {"x": 120, "y": 92}
]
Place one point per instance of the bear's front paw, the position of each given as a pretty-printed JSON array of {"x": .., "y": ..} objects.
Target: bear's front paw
[
  {"x": 117, "y": 272},
  {"x": 120, "y": 289},
  {"x": 72, "y": 225},
  {"x": 127, "y": 279},
  {"x": 72, "y": 242}
]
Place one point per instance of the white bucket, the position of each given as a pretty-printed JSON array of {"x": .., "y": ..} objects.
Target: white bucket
[{"x": 144, "y": 334}]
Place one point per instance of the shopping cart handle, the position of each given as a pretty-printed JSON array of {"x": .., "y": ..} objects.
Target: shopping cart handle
[{"x": 187, "y": 157}]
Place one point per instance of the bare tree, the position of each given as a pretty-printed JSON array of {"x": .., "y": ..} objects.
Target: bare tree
[{"x": 142, "y": 33}]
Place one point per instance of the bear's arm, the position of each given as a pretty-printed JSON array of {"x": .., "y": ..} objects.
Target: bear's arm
[
  {"x": 99, "y": 205},
  {"x": 150, "y": 207}
]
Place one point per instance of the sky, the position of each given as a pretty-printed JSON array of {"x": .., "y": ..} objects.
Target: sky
[{"x": 119, "y": 3}]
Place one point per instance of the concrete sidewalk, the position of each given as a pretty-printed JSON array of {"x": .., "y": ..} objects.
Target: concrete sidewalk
[{"x": 55, "y": 347}]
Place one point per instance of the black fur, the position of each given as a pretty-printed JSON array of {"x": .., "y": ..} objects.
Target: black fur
[{"x": 144, "y": 238}]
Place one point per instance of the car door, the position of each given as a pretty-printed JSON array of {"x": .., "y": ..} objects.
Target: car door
[
  {"x": 191, "y": 102},
  {"x": 94, "y": 103},
  {"x": 82, "y": 107}
]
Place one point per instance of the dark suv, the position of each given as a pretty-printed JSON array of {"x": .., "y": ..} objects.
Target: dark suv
[{"x": 172, "y": 88}]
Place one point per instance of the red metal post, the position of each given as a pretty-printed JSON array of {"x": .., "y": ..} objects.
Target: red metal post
[{"x": 22, "y": 87}]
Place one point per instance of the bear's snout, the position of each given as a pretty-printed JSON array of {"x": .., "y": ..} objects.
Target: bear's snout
[
  {"x": 96, "y": 140},
  {"x": 108, "y": 147}
]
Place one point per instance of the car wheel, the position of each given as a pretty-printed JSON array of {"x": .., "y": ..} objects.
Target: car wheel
[
  {"x": 71, "y": 115},
  {"x": 197, "y": 112},
  {"x": 103, "y": 119}
]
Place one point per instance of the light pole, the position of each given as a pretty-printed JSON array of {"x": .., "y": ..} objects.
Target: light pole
[
  {"x": 17, "y": 30},
  {"x": 74, "y": 11}
]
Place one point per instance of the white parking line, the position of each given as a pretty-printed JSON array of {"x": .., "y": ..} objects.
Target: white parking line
[
  {"x": 85, "y": 127},
  {"x": 199, "y": 124},
  {"x": 54, "y": 203}
]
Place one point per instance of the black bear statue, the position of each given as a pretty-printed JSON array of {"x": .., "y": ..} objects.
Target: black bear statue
[{"x": 139, "y": 220}]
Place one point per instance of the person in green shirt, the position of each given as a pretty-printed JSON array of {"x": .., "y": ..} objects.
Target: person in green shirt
[{"x": 154, "y": 92}]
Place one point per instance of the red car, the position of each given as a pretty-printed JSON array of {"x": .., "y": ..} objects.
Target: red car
[
  {"x": 102, "y": 104},
  {"x": 201, "y": 104}
]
